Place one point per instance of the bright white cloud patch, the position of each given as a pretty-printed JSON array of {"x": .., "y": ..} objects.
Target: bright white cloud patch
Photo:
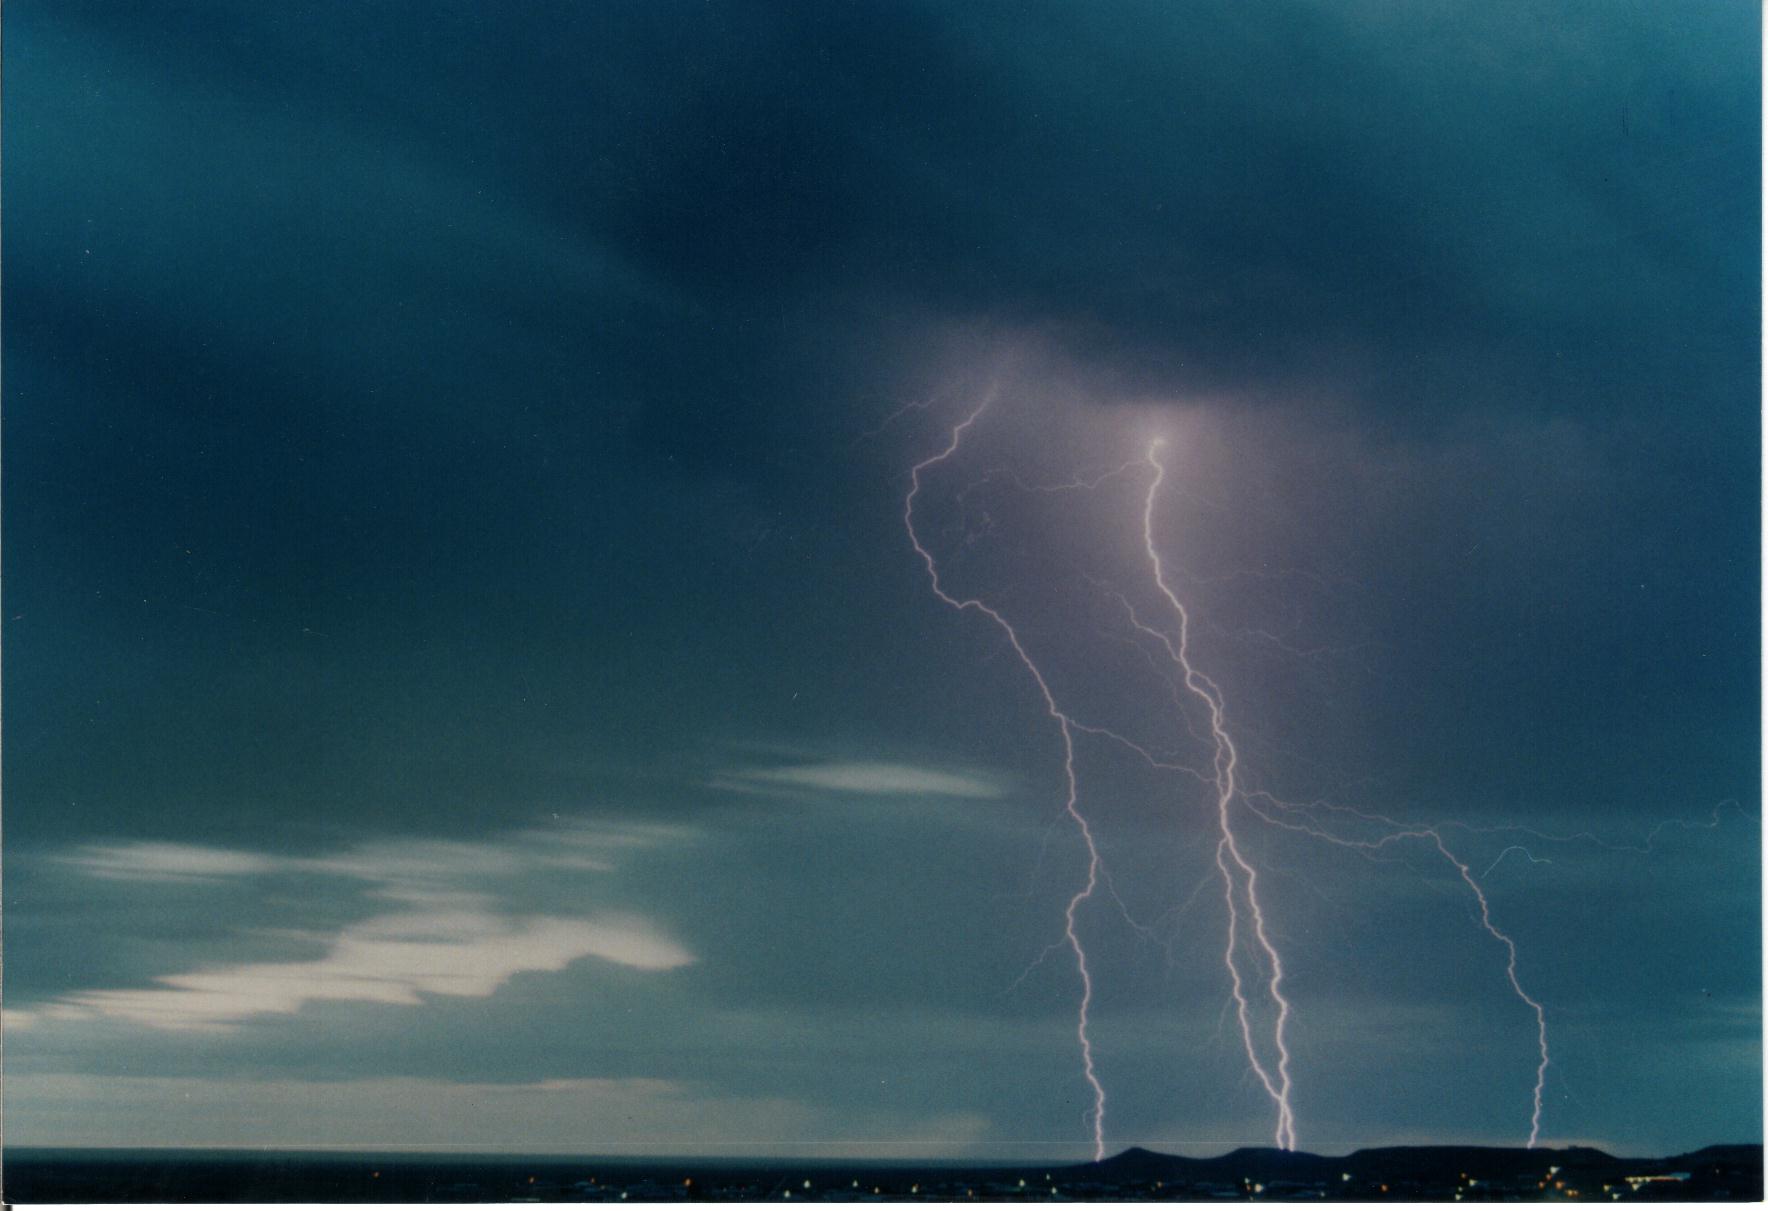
[
  {"x": 869, "y": 778},
  {"x": 447, "y": 937},
  {"x": 389, "y": 959}
]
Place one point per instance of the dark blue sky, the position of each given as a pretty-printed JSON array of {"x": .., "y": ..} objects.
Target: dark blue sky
[{"x": 464, "y": 651}]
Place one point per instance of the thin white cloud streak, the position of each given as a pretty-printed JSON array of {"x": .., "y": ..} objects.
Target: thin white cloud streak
[
  {"x": 167, "y": 862},
  {"x": 568, "y": 844},
  {"x": 866, "y": 778}
]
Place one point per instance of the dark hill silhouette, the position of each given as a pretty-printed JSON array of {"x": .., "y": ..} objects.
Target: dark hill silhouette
[{"x": 1724, "y": 1165}]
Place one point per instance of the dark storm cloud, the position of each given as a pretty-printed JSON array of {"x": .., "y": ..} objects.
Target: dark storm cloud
[
  {"x": 1235, "y": 199},
  {"x": 1240, "y": 200}
]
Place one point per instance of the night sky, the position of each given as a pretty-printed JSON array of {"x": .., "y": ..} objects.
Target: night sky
[{"x": 469, "y": 685}]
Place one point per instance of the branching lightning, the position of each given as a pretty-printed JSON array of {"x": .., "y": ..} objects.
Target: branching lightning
[
  {"x": 1071, "y": 806},
  {"x": 1485, "y": 916},
  {"x": 1228, "y": 847},
  {"x": 1514, "y": 849}
]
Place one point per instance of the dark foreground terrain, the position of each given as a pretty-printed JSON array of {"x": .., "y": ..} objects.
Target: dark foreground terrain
[{"x": 1466, "y": 1174}]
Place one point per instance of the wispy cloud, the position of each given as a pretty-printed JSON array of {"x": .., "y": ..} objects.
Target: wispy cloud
[
  {"x": 163, "y": 861},
  {"x": 865, "y": 778},
  {"x": 564, "y": 843},
  {"x": 447, "y": 936}
]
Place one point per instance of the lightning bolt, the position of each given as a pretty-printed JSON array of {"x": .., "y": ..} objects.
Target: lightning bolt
[
  {"x": 1229, "y": 856},
  {"x": 1485, "y": 916},
  {"x": 1071, "y": 805}
]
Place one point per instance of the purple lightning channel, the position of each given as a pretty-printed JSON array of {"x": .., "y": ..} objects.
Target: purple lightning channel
[
  {"x": 1072, "y": 804},
  {"x": 1228, "y": 847}
]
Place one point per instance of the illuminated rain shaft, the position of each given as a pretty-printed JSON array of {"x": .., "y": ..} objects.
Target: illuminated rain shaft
[
  {"x": 1229, "y": 857},
  {"x": 1096, "y": 1118}
]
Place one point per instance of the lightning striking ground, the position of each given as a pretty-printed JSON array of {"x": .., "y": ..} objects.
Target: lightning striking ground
[
  {"x": 1398, "y": 831},
  {"x": 1485, "y": 916},
  {"x": 1226, "y": 761},
  {"x": 1072, "y": 804}
]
